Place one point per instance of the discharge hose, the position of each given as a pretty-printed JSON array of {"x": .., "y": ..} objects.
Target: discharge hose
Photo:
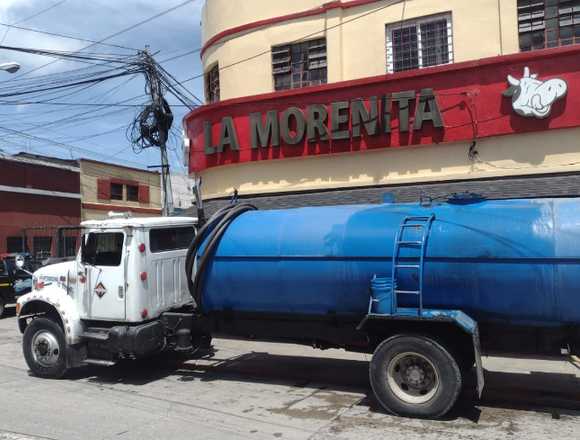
[{"x": 210, "y": 234}]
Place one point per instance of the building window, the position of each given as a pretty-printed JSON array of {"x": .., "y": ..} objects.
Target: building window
[
  {"x": 41, "y": 247},
  {"x": 116, "y": 191},
  {"x": 15, "y": 245},
  {"x": 299, "y": 65},
  {"x": 212, "y": 85},
  {"x": 70, "y": 246},
  {"x": 132, "y": 193},
  {"x": 552, "y": 23},
  {"x": 420, "y": 43}
]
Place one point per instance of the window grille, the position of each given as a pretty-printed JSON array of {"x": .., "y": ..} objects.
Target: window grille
[
  {"x": 212, "y": 85},
  {"x": 544, "y": 24},
  {"x": 132, "y": 193},
  {"x": 116, "y": 191},
  {"x": 415, "y": 44},
  {"x": 299, "y": 65}
]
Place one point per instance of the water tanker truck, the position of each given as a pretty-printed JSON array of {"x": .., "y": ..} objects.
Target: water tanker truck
[{"x": 427, "y": 288}]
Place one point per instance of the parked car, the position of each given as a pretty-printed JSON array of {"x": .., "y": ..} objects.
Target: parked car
[{"x": 13, "y": 282}]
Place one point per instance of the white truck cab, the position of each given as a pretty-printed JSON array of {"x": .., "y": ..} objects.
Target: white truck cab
[{"x": 108, "y": 303}]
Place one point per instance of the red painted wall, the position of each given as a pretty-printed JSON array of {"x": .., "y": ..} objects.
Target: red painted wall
[
  {"x": 27, "y": 175},
  {"x": 20, "y": 211},
  {"x": 469, "y": 95}
]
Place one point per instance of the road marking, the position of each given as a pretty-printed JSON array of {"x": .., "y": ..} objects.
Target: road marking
[{"x": 8, "y": 435}]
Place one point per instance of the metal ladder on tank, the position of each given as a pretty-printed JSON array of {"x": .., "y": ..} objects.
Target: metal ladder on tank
[
  {"x": 387, "y": 289},
  {"x": 423, "y": 223}
]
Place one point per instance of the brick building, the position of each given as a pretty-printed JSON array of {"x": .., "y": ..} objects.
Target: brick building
[
  {"x": 36, "y": 198},
  {"x": 44, "y": 199}
]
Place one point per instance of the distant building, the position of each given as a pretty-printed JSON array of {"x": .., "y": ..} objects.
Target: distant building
[
  {"x": 43, "y": 200},
  {"x": 181, "y": 184},
  {"x": 38, "y": 198},
  {"x": 107, "y": 187}
]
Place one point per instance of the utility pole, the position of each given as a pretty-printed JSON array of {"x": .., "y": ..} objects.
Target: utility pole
[{"x": 158, "y": 129}]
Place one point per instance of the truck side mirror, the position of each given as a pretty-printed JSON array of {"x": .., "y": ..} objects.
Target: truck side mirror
[{"x": 19, "y": 261}]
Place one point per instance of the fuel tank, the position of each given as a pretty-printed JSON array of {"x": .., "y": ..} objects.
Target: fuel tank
[{"x": 515, "y": 261}]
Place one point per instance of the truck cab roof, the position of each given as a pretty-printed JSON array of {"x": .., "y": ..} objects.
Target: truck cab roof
[{"x": 138, "y": 222}]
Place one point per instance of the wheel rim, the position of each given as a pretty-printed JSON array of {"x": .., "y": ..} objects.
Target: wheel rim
[
  {"x": 413, "y": 378},
  {"x": 45, "y": 348}
]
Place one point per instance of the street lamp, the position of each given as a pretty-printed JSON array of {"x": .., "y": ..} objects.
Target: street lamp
[{"x": 10, "y": 67}]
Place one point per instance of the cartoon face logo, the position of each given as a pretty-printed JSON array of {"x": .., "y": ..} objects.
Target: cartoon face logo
[{"x": 532, "y": 97}]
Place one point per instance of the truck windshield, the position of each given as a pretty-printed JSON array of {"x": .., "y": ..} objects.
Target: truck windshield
[{"x": 103, "y": 249}]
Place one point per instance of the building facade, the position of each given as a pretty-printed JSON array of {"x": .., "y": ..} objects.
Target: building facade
[
  {"x": 316, "y": 102},
  {"x": 44, "y": 199},
  {"x": 38, "y": 199},
  {"x": 181, "y": 185},
  {"x": 107, "y": 187}
]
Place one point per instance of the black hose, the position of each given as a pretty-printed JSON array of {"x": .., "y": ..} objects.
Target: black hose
[
  {"x": 210, "y": 234},
  {"x": 198, "y": 240}
]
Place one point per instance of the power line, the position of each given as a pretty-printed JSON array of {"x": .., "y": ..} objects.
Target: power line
[
  {"x": 59, "y": 35},
  {"x": 189, "y": 52},
  {"x": 30, "y": 17},
  {"x": 95, "y": 80},
  {"x": 62, "y": 145},
  {"x": 116, "y": 34},
  {"x": 78, "y": 104}
]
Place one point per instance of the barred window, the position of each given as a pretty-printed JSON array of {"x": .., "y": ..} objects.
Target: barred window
[
  {"x": 212, "y": 85},
  {"x": 552, "y": 23},
  {"x": 41, "y": 247},
  {"x": 299, "y": 65},
  {"x": 415, "y": 44}
]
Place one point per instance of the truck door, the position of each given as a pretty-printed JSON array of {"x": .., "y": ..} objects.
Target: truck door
[{"x": 103, "y": 256}]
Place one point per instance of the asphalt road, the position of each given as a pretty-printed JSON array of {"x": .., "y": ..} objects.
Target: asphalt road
[{"x": 270, "y": 391}]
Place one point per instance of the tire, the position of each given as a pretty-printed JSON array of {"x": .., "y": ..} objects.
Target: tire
[
  {"x": 44, "y": 348},
  {"x": 415, "y": 376},
  {"x": 2, "y": 308}
]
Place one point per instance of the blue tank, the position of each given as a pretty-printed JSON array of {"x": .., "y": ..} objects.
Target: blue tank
[{"x": 514, "y": 261}]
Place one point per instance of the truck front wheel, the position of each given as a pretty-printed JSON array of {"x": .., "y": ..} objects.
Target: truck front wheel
[
  {"x": 44, "y": 348},
  {"x": 415, "y": 376}
]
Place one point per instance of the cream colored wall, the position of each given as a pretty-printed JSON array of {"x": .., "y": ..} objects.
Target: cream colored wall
[
  {"x": 356, "y": 49},
  {"x": 92, "y": 171},
  {"x": 546, "y": 152}
]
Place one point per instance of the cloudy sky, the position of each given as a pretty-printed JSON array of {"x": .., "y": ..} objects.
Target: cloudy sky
[{"x": 102, "y": 132}]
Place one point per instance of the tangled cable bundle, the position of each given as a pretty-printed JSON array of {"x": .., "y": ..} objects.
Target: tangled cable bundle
[{"x": 151, "y": 126}]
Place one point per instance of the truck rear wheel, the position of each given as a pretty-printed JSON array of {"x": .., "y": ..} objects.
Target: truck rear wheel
[
  {"x": 415, "y": 376},
  {"x": 44, "y": 348}
]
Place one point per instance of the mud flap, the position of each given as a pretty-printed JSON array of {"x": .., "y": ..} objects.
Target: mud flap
[{"x": 478, "y": 363}]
